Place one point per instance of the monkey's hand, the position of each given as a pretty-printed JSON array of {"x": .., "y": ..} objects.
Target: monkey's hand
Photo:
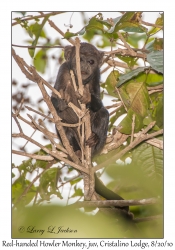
[
  {"x": 86, "y": 98},
  {"x": 92, "y": 140},
  {"x": 58, "y": 103},
  {"x": 95, "y": 104},
  {"x": 61, "y": 103}
]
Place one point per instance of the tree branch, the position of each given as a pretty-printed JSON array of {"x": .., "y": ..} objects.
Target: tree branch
[
  {"x": 33, "y": 156},
  {"x": 39, "y": 46},
  {"x": 39, "y": 16},
  {"x": 60, "y": 31},
  {"x": 117, "y": 203}
]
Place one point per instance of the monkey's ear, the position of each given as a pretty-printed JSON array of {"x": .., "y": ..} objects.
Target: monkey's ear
[
  {"x": 101, "y": 54},
  {"x": 67, "y": 52}
]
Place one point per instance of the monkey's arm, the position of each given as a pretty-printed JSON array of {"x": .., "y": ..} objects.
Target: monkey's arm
[
  {"x": 64, "y": 85},
  {"x": 62, "y": 80},
  {"x": 95, "y": 104}
]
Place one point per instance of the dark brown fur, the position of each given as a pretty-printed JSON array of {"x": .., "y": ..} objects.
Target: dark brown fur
[{"x": 90, "y": 60}]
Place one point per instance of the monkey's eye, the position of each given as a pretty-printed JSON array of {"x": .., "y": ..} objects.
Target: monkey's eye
[{"x": 91, "y": 62}]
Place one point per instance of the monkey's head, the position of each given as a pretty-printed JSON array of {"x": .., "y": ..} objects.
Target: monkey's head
[{"x": 90, "y": 60}]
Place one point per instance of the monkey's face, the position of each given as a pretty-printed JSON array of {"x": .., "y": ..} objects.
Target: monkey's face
[
  {"x": 90, "y": 59},
  {"x": 88, "y": 64}
]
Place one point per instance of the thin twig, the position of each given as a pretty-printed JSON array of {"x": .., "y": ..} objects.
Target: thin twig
[
  {"x": 17, "y": 122},
  {"x": 80, "y": 85},
  {"x": 118, "y": 203},
  {"x": 126, "y": 52},
  {"x": 39, "y": 113},
  {"x": 39, "y": 46},
  {"x": 115, "y": 110},
  {"x": 34, "y": 156},
  {"x": 20, "y": 107},
  {"x": 114, "y": 63},
  {"x": 151, "y": 24},
  {"x": 132, "y": 52},
  {"x": 60, "y": 31},
  {"x": 46, "y": 132},
  {"x": 36, "y": 17},
  {"x": 118, "y": 92},
  {"x": 133, "y": 126}
]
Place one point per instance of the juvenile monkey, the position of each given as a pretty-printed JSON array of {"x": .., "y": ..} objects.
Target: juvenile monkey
[{"x": 90, "y": 61}]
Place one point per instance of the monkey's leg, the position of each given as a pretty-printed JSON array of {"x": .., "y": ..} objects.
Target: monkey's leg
[
  {"x": 99, "y": 121},
  {"x": 72, "y": 137}
]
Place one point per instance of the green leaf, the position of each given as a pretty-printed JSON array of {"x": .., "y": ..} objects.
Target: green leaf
[
  {"x": 139, "y": 98},
  {"x": 155, "y": 59},
  {"x": 42, "y": 152},
  {"x": 114, "y": 118},
  {"x": 131, "y": 61},
  {"x": 40, "y": 164},
  {"x": 111, "y": 81},
  {"x": 119, "y": 20},
  {"x": 106, "y": 23},
  {"x": 157, "y": 108},
  {"x": 40, "y": 61},
  {"x": 78, "y": 192},
  {"x": 126, "y": 77},
  {"x": 27, "y": 166},
  {"x": 90, "y": 29},
  {"x": 136, "y": 98},
  {"x": 94, "y": 24},
  {"x": 128, "y": 23},
  {"x": 134, "y": 27},
  {"x": 156, "y": 44},
  {"x": 105, "y": 41},
  {"x": 48, "y": 183},
  {"x": 37, "y": 29},
  {"x": 154, "y": 79},
  {"x": 148, "y": 119},
  {"x": 125, "y": 125},
  {"x": 18, "y": 188},
  {"x": 150, "y": 161},
  {"x": 76, "y": 180},
  {"x": 159, "y": 21},
  {"x": 68, "y": 35},
  {"x": 134, "y": 39},
  {"x": 93, "y": 28}
]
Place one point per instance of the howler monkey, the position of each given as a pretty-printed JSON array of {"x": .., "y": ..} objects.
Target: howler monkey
[{"x": 90, "y": 61}]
